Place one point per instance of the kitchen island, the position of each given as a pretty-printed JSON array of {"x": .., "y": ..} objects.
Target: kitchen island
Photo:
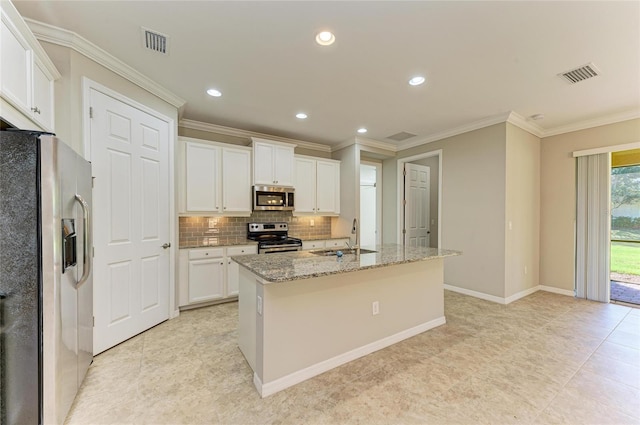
[{"x": 301, "y": 314}]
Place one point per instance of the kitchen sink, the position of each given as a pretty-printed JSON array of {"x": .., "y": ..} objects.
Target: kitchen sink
[{"x": 329, "y": 252}]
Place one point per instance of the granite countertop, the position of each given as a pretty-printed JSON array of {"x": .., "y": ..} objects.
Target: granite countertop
[
  {"x": 289, "y": 266},
  {"x": 228, "y": 241}
]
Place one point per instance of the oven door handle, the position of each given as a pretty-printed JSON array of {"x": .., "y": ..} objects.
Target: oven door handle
[{"x": 290, "y": 248}]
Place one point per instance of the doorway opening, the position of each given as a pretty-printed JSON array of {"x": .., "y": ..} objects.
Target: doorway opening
[
  {"x": 625, "y": 226},
  {"x": 370, "y": 203},
  {"x": 431, "y": 205}
]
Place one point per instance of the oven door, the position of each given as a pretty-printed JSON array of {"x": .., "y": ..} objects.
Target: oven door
[
  {"x": 268, "y": 198},
  {"x": 274, "y": 249}
]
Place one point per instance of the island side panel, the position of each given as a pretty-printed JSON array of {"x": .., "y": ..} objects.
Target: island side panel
[
  {"x": 247, "y": 312},
  {"x": 309, "y": 321}
]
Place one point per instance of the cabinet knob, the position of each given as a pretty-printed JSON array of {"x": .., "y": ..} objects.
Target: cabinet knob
[
  {"x": 206, "y": 253},
  {"x": 224, "y": 208}
]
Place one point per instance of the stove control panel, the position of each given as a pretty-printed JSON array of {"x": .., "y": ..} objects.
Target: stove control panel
[{"x": 268, "y": 227}]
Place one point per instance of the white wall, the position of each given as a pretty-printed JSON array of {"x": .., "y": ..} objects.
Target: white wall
[
  {"x": 522, "y": 232},
  {"x": 558, "y": 195}
]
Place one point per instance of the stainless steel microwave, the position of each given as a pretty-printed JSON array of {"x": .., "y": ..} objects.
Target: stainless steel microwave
[{"x": 273, "y": 198}]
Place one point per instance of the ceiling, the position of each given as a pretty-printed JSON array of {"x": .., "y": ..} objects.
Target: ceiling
[{"x": 480, "y": 59}]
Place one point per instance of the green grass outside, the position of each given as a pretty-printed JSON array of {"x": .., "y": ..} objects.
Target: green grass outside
[{"x": 625, "y": 258}]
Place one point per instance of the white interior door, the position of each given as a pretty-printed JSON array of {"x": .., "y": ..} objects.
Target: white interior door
[
  {"x": 130, "y": 156},
  {"x": 370, "y": 204},
  {"x": 416, "y": 211}
]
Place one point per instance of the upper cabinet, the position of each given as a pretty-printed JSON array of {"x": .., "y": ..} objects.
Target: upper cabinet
[
  {"x": 26, "y": 74},
  {"x": 272, "y": 163},
  {"x": 317, "y": 184},
  {"x": 214, "y": 178}
]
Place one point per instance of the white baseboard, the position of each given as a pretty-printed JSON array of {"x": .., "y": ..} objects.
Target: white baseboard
[
  {"x": 175, "y": 314},
  {"x": 475, "y": 294},
  {"x": 521, "y": 294},
  {"x": 511, "y": 298},
  {"x": 567, "y": 292},
  {"x": 287, "y": 381}
]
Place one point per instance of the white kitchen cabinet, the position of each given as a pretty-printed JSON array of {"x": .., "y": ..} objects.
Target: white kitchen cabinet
[
  {"x": 216, "y": 178},
  {"x": 317, "y": 184},
  {"x": 206, "y": 275},
  {"x": 319, "y": 244},
  {"x": 272, "y": 163},
  {"x": 325, "y": 244},
  {"x": 336, "y": 243},
  {"x": 233, "y": 268},
  {"x": 202, "y": 169},
  {"x": 236, "y": 180},
  {"x": 27, "y": 74}
]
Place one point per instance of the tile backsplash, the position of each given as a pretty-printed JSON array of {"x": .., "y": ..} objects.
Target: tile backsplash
[{"x": 195, "y": 231}]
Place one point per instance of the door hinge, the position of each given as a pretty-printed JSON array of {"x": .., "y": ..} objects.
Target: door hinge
[
  {"x": 404, "y": 202},
  {"x": 90, "y": 111},
  {"x": 94, "y": 321},
  {"x": 93, "y": 251},
  {"x": 404, "y": 171},
  {"x": 93, "y": 180}
]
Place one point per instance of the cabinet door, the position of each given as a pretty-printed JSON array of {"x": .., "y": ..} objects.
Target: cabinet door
[
  {"x": 236, "y": 180},
  {"x": 283, "y": 165},
  {"x": 305, "y": 185},
  {"x": 42, "y": 97},
  {"x": 233, "y": 268},
  {"x": 202, "y": 177},
  {"x": 263, "y": 163},
  {"x": 206, "y": 279},
  {"x": 15, "y": 66},
  {"x": 328, "y": 182}
]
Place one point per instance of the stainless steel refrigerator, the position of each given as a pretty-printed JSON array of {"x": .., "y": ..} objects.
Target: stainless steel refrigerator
[{"x": 46, "y": 285}]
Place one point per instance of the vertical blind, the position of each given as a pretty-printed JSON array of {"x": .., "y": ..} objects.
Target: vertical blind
[{"x": 593, "y": 226}]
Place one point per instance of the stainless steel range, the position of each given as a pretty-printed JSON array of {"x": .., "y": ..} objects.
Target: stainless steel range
[{"x": 272, "y": 237}]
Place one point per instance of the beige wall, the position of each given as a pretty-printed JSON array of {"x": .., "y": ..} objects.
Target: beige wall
[
  {"x": 69, "y": 95},
  {"x": 522, "y": 203},
  {"x": 558, "y": 195},
  {"x": 473, "y": 207}
]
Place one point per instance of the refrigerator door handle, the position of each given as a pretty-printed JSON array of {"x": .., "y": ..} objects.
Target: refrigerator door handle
[{"x": 87, "y": 261}]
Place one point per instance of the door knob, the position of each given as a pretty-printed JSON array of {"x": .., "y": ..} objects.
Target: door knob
[{"x": 166, "y": 245}]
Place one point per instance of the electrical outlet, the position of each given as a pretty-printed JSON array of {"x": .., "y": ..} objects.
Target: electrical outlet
[
  {"x": 259, "y": 305},
  {"x": 525, "y": 270},
  {"x": 375, "y": 308},
  {"x": 312, "y": 223}
]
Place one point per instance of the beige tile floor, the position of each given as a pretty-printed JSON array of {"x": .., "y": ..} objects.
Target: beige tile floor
[{"x": 545, "y": 359}]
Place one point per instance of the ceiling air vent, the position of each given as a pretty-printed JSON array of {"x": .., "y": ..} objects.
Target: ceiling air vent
[
  {"x": 155, "y": 41},
  {"x": 580, "y": 74},
  {"x": 403, "y": 135}
]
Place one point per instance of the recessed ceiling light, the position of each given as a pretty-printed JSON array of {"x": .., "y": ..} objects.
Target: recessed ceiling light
[
  {"x": 362, "y": 130},
  {"x": 301, "y": 115},
  {"x": 325, "y": 38},
  {"x": 417, "y": 80},
  {"x": 214, "y": 92}
]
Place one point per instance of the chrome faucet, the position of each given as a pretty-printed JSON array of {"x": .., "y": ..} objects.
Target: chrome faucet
[{"x": 355, "y": 229}]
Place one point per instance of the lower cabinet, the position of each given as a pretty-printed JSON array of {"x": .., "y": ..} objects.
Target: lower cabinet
[
  {"x": 209, "y": 275},
  {"x": 325, "y": 244}
]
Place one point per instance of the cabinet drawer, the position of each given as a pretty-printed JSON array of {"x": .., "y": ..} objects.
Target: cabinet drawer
[
  {"x": 336, "y": 243},
  {"x": 196, "y": 254},
  {"x": 242, "y": 250},
  {"x": 313, "y": 244}
]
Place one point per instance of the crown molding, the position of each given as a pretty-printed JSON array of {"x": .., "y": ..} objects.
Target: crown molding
[
  {"x": 525, "y": 124},
  {"x": 51, "y": 34},
  {"x": 485, "y": 122},
  {"x": 230, "y": 131},
  {"x": 596, "y": 122},
  {"x": 364, "y": 141}
]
